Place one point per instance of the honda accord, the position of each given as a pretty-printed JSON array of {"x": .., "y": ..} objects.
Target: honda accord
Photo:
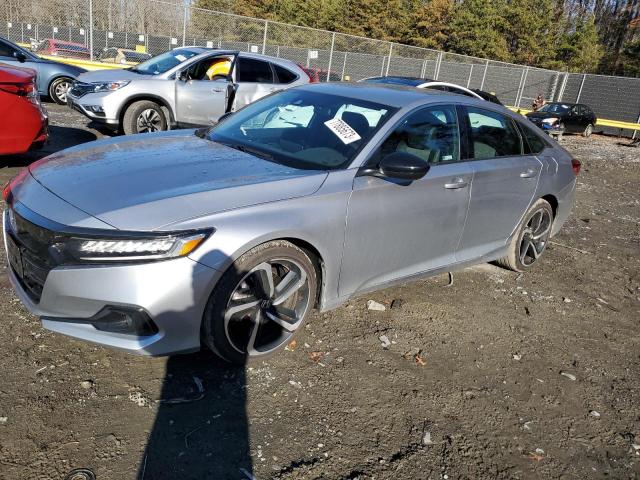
[{"x": 230, "y": 236}]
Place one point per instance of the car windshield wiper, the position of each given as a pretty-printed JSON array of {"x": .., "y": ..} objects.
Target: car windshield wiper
[{"x": 249, "y": 150}]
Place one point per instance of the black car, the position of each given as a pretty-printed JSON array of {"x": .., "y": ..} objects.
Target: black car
[
  {"x": 436, "y": 85},
  {"x": 565, "y": 118}
]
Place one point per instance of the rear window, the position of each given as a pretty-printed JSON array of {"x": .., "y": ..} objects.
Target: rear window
[
  {"x": 255, "y": 71},
  {"x": 533, "y": 143},
  {"x": 284, "y": 75},
  {"x": 493, "y": 134}
]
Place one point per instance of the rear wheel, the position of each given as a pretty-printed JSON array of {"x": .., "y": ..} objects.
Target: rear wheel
[
  {"x": 144, "y": 116},
  {"x": 531, "y": 239},
  {"x": 58, "y": 90},
  {"x": 260, "y": 303},
  {"x": 588, "y": 131}
]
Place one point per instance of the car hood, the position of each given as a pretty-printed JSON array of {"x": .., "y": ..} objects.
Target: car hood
[
  {"x": 112, "y": 75},
  {"x": 150, "y": 181},
  {"x": 70, "y": 69}
]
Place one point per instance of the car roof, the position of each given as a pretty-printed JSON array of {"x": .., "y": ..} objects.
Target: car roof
[{"x": 392, "y": 95}]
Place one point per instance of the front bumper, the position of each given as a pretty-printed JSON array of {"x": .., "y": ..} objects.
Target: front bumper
[
  {"x": 99, "y": 107},
  {"x": 173, "y": 293}
]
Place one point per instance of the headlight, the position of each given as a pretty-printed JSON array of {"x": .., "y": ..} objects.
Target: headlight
[
  {"x": 109, "y": 86},
  {"x": 549, "y": 121},
  {"x": 133, "y": 249}
]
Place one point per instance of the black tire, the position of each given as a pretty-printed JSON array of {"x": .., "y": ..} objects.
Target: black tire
[
  {"x": 588, "y": 130},
  {"x": 215, "y": 333},
  {"x": 58, "y": 89},
  {"x": 514, "y": 259},
  {"x": 147, "y": 113}
]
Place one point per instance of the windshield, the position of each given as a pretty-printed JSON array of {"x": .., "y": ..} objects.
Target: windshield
[
  {"x": 555, "y": 108},
  {"x": 164, "y": 62},
  {"x": 302, "y": 129},
  {"x": 136, "y": 56}
]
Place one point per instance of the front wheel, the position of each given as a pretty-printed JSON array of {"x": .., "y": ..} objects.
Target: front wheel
[
  {"x": 144, "y": 116},
  {"x": 260, "y": 302},
  {"x": 531, "y": 239},
  {"x": 59, "y": 88},
  {"x": 588, "y": 131}
]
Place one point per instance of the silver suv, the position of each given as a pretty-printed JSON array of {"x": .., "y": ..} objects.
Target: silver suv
[{"x": 188, "y": 86}]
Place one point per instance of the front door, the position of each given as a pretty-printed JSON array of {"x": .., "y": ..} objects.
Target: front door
[
  {"x": 203, "y": 90},
  {"x": 504, "y": 183},
  {"x": 397, "y": 229}
]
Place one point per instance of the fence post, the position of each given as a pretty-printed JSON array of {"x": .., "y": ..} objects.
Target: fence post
[
  {"x": 264, "y": 36},
  {"x": 563, "y": 85},
  {"x": 523, "y": 81},
  {"x": 470, "y": 73},
  {"x": 386, "y": 73},
  {"x": 484, "y": 75},
  {"x": 344, "y": 66},
  {"x": 438, "y": 63},
  {"x": 184, "y": 25},
  {"x": 635, "y": 131},
  {"x": 584, "y": 76},
  {"x": 333, "y": 42},
  {"x": 90, "y": 32},
  {"x": 424, "y": 68}
]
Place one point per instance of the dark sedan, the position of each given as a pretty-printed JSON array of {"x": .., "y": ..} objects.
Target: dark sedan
[
  {"x": 54, "y": 78},
  {"x": 564, "y": 118}
]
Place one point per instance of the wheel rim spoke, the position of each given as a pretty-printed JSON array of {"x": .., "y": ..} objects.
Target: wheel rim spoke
[
  {"x": 289, "y": 285},
  {"x": 243, "y": 307},
  {"x": 254, "y": 333},
  {"x": 264, "y": 273},
  {"x": 284, "y": 317},
  {"x": 534, "y": 240}
]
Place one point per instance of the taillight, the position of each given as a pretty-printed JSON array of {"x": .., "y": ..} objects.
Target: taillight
[
  {"x": 28, "y": 90},
  {"x": 575, "y": 166}
]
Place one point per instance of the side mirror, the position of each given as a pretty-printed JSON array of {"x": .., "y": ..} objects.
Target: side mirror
[
  {"x": 183, "y": 75},
  {"x": 21, "y": 57},
  {"x": 404, "y": 166}
]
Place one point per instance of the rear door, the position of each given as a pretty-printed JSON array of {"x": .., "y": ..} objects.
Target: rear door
[
  {"x": 255, "y": 79},
  {"x": 504, "y": 182}
]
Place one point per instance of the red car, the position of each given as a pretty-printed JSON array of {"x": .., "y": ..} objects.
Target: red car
[
  {"x": 23, "y": 122},
  {"x": 60, "y": 48}
]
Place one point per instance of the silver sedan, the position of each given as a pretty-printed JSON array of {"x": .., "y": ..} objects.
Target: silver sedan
[{"x": 230, "y": 236}]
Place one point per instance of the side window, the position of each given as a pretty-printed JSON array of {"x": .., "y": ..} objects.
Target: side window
[
  {"x": 255, "y": 71},
  {"x": 6, "y": 50},
  {"x": 534, "y": 143},
  {"x": 430, "y": 133},
  {"x": 212, "y": 68},
  {"x": 284, "y": 75},
  {"x": 493, "y": 134}
]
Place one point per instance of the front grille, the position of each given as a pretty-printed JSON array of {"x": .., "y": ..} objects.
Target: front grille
[
  {"x": 79, "y": 89},
  {"x": 31, "y": 250}
]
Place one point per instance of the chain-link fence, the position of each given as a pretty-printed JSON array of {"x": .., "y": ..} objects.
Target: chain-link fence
[{"x": 155, "y": 26}]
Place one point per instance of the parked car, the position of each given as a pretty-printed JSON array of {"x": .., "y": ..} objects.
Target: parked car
[
  {"x": 23, "y": 121},
  {"x": 160, "y": 244},
  {"x": 435, "y": 85},
  {"x": 61, "y": 48},
  {"x": 565, "y": 118},
  {"x": 184, "y": 87},
  {"x": 54, "y": 78},
  {"x": 123, "y": 56}
]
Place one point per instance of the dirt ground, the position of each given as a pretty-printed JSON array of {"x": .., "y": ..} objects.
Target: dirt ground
[{"x": 498, "y": 376}]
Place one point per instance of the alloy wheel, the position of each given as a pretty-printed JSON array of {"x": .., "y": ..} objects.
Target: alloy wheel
[
  {"x": 535, "y": 236},
  {"x": 149, "y": 120},
  {"x": 60, "y": 90},
  {"x": 266, "y": 307}
]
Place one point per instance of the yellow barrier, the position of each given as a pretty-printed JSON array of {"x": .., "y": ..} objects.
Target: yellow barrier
[
  {"x": 86, "y": 64},
  {"x": 602, "y": 122}
]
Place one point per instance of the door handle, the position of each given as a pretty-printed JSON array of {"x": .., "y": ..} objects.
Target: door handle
[
  {"x": 456, "y": 183},
  {"x": 528, "y": 174},
  {"x": 216, "y": 90}
]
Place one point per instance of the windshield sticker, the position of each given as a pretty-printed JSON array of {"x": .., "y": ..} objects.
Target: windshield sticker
[
  {"x": 182, "y": 58},
  {"x": 342, "y": 130}
]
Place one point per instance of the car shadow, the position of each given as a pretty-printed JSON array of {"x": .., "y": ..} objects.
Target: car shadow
[
  {"x": 201, "y": 429},
  {"x": 59, "y": 139}
]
